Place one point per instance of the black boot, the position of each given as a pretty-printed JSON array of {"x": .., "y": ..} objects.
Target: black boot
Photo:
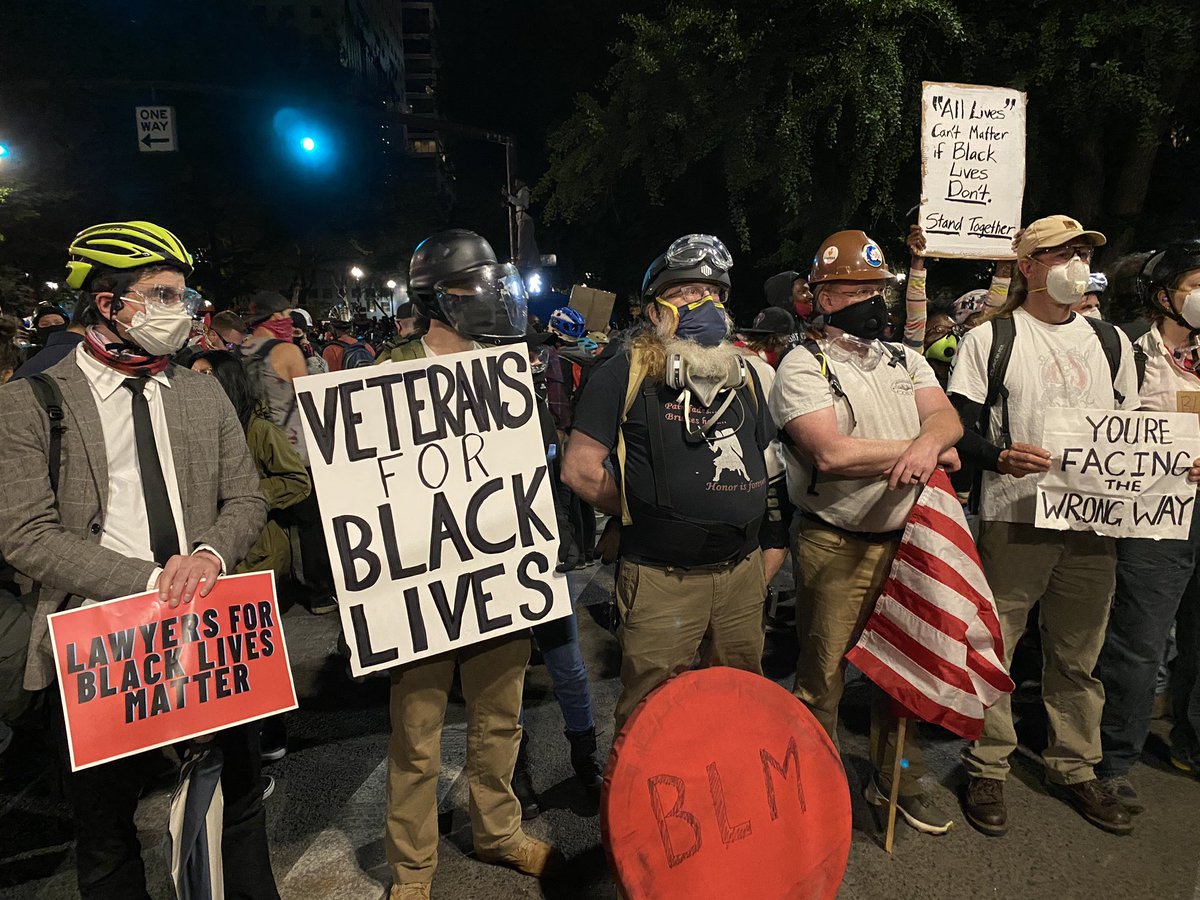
[
  {"x": 583, "y": 758},
  {"x": 522, "y": 785}
]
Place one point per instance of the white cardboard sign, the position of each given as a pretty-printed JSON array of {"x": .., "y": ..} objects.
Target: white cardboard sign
[
  {"x": 1119, "y": 473},
  {"x": 436, "y": 500},
  {"x": 972, "y": 169}
]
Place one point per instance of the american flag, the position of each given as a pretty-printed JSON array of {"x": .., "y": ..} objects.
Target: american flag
[{"x": 934, "y": 642}]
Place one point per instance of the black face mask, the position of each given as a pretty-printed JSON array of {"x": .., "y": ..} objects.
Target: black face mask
[
  {"x": 866, "y": 319},
  {"x": 44, "y": 333}
]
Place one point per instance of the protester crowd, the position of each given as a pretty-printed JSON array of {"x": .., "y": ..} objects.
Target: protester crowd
[{"x": 716, "y": 451}]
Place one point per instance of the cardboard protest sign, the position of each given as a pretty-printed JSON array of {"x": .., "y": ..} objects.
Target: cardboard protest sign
[
  {"x": 972, "y": 169},
  {"x": 135, "y": 674},
  {"x": 437, "y": 502},
  {"x": 595, "y": 305},
  {"x": 1122, "y": 474},
  {"x": 723, "y": 784}
]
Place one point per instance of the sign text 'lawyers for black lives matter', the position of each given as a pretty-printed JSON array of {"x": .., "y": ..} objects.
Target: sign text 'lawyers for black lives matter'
[
  {"x": 1122, "y": 474},
  {"x": 436, "y": 500}
]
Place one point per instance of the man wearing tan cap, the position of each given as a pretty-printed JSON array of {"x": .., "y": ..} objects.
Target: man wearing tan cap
[{"x": 1055, "y": 358}]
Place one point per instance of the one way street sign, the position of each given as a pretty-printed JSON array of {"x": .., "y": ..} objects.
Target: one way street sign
[{"x": 156, "y": 129}]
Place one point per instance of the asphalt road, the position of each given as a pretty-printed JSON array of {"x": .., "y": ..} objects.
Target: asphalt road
[{"x": 326, "y": 814}]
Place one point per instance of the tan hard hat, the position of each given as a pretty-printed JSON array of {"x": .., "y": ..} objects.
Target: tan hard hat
[{"x": 848, "y": 256}]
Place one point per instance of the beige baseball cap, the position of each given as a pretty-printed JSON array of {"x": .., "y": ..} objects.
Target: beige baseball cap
[{"x": 1052, "y": 231}]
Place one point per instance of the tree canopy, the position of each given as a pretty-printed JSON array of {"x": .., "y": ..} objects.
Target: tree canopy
[{"x": 803, "y": 118}]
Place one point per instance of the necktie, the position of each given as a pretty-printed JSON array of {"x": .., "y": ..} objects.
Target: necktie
[{"x": 164, "y": 539}]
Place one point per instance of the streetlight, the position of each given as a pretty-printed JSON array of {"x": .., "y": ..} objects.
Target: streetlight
[
  {"x": 356, "y": 273},
  {"x": 53, "y": 285},
  {"x": 391, "y": 284}
]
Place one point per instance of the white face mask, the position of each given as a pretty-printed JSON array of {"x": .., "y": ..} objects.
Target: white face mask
[
  {"x": 1190, "y": 310},
  {"x": 157, "y": 329},
  {"x": 1092, "y": 313},
  {"x": 1066, "y": 282}
]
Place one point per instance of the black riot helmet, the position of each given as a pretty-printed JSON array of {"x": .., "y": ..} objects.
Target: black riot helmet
[
  {"x": 454, "y": 277},
  {"x": 693, "y": 257},
  {"x": 440, "y": 256}
]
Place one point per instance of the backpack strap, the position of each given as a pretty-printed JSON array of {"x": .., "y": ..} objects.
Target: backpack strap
[
  {"x": 1004, "y": 332},
  {"x": 1111, "y": 343},
  {"x": 48, "y": 395},
  {"x": 637, "y": 374},
  {"x": 1139, "y": 365}
]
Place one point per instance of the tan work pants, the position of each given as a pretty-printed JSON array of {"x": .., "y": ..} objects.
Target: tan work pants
[
  {"x": 493, "y": 675},
  {"x": 838, "y": 580},
  {"x": 665, "y": 614},
  {"x": 1073, "y": 574}
]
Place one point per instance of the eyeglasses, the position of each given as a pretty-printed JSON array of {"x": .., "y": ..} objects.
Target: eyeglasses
[
  {"x": 856, "y": 293},
  {"x": 165, "y": 295},
  {"x": 691, "y": 293},
  {"x": 1064, "y": 254}
]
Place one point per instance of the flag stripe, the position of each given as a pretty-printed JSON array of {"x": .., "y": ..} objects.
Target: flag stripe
[{"x": 933, "y": 641}]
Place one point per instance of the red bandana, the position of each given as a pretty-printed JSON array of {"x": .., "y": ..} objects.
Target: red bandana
[{"x": 123, "y": 357}]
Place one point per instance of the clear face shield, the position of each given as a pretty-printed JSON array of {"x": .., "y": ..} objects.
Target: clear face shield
[{"x": 488, "y": 303}]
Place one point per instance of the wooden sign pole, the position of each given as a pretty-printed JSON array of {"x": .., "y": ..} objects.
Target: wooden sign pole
[{"x": 894, "y": 797}]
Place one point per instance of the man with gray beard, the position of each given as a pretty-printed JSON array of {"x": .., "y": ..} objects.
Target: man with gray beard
[{"x": 687, "y": 422}]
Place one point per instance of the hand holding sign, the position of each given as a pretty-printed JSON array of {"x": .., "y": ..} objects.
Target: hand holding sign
[
  {"x": 1021, "y": 459},
  {"x": 182, "y": 575}
]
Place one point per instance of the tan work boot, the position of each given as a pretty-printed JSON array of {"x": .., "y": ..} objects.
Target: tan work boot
[
  {"x": 414, "y": 890},
  {"x": 531, "y": 857}
]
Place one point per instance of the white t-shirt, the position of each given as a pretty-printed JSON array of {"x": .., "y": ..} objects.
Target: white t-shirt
[
  {"x": 1061, "y": 366},
  {"x": 1164, "y": 381},
  {"x": 879, "y": 404}
]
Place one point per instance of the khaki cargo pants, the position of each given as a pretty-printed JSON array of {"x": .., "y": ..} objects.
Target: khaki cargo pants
[
  {"x": 1073, "y": 574},
  {"x": 665, "y": 613},
  {"x": 493, "y": 675},
  {"x": 838, "y": 580}
]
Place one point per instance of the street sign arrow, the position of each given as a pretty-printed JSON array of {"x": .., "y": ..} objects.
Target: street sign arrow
[{"x": 150, "y": 141}]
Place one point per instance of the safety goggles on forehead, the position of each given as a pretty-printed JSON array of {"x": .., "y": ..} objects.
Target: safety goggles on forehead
[
  {"x": 166, "y": 295},
  {"x": 692, "y": 249}
]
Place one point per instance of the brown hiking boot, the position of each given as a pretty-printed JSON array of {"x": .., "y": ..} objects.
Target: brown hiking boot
[
  {"x": 531, "y": 857},
  {"x": 983, "y": 805},
  {"x": 1095, "y": 804},
  {"x": 409, "y": 891}
]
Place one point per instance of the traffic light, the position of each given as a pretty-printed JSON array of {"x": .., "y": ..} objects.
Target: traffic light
[
  {"x": 4, "y": 151},
  {"x": 306, "y": 141}
]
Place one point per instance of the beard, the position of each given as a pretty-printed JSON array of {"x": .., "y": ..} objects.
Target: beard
[{"x": 702, "y": 362}]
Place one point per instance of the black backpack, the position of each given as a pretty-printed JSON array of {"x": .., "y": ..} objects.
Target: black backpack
[
  {"x": 1004, "y": 332},
  {"x": 357, "y": 355}
]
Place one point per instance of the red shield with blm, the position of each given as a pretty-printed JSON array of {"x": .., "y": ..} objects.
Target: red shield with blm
[{"x": 723, "y": 784}]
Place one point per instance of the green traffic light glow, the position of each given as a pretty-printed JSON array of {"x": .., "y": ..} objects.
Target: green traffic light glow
[
  {"x": 3, "y": 150},
  {"x": 308, "y": 144}
]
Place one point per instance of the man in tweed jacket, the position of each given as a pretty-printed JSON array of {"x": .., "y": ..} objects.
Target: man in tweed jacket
[{"x": 68, "y": 542}]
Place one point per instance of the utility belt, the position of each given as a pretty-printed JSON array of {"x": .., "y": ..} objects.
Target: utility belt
[
  {"x": 665, "y": 538},
  {"x": 871, "y": 537}
]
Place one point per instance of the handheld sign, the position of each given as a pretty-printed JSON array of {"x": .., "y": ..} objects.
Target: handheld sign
[
  {"x": 436, "y": 500},
  {"x": 972, "y": 169},
  {"x": 134, "y": 674},
  {"x": 1122, "y": 474},
  {"x": 723, "y": 784}
]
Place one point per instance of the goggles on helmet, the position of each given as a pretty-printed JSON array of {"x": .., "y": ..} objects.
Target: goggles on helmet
[
  {"x": 691, "y": 249},
  {"x": 488, "y": 302}
]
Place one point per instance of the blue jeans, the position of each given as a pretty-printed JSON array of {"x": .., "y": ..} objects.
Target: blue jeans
[
  {"x": 559, "y": 642},
  {"x": 1156, "y": 581}
]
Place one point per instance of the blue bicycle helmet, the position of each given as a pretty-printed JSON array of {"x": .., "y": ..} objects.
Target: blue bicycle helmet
[{"x": 567, "y": 324}]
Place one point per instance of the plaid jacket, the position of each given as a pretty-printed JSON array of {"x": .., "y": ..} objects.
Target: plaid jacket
[{"x": 58, "y": 543}]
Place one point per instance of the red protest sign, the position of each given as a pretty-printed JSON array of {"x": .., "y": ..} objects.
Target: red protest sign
[
  {"x": 135, "y": 674},
  {"x": 722, "y": 784}
]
